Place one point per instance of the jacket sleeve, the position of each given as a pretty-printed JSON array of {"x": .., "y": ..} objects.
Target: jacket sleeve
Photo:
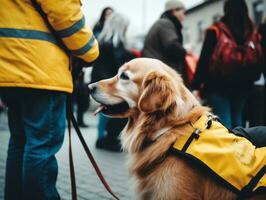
[
  {"x": 170, "y": 42},
  {"x": 67, "y": 19},
  {"x": 256, "y": 135},
  {"x": 205, "y": 56}
]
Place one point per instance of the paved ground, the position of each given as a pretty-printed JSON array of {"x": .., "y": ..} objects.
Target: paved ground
[{"x": 113, "y": 166}]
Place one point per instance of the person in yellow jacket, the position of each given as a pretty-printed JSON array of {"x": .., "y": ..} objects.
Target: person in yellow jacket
[{"x": 35, "y": 78}]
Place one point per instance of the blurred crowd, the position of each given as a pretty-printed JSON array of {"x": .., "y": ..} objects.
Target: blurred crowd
[
  {"x": 231, "y": 83},
  {"x": 228, "y": 76}
]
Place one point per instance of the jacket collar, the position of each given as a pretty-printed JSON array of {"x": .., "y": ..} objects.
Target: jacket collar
[{"x": 174, "y": 20}]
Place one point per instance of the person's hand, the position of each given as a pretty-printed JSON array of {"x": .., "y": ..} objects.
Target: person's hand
[
  {"x": 190, "y": 53},
  {"x": 77, "y": 65}
]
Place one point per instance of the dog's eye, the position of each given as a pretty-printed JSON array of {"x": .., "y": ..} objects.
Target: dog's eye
[{"x": 123, "y": 76}]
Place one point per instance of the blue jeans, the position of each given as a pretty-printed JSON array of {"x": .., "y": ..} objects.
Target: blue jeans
[
  {"x": 36, "y": 121},
  {"x": 228, "y": 106}
]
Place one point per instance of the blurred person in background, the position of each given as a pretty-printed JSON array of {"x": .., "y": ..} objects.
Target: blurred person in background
[
  {"x": 35, "y": 79},
  {"x": 112, "y": 42},
  {"x": 263, "y": 34},
  {"x": 81, "y": 92},
  {"x": 254, "y": 112},
  {"x": 226, "y": 88},
  {"x": 98, "y": 27},
  {"x": 164, "y": 40}
]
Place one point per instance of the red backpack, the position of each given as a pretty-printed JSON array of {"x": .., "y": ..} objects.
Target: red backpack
[{"x": 234, "y": 63}]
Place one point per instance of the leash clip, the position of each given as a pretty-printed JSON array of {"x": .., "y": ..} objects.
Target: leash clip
[{"x": 208, "y": 122}]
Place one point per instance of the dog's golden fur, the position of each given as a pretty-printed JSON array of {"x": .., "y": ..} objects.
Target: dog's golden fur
[{"x": 161, "y": 109}]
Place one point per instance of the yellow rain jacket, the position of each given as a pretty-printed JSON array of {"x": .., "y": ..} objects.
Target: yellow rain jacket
[
  {"x": 30, "y": 56},
  {"x": 232, "y": 160}
]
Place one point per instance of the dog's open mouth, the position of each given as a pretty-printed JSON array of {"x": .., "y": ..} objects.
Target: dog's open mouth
[{"x": 112, "y": 109}]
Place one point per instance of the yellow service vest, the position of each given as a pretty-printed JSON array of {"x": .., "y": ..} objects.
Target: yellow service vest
[{"x": 232, "y": 160}]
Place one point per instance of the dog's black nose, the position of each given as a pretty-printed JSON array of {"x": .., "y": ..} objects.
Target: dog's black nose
[{"x": 92, "y": 88}]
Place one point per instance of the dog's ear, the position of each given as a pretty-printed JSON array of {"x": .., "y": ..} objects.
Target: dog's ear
[{"x": 158, "y": 93}]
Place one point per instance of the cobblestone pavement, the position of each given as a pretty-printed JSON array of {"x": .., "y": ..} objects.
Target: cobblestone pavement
[{"x": 89, "y": 187}]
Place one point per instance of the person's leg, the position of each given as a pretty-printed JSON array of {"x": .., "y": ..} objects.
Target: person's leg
[
  {"x": 255, "y": 103},
  {"x": 81, "y": 109},
  {"x": 113, "y": 129},
  {"x": 220, "y": 107},
  {"x": 13, "y": 178},
  {"x": 237, "y": 100},
  {"x": 82, "y": 105},
  {"x": 102, "y": 122},
  {"x": 44, "y": 115}
]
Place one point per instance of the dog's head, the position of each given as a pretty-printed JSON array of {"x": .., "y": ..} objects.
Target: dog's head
[{"x": 142, "y": 85}]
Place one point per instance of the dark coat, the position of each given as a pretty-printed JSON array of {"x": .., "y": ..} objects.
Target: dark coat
[
  {"x": 263, "y": 33},
  {"x": 164, "y": 42},
  {"x": 97, "y": 29},
  {"x": 109, "y": 61}
]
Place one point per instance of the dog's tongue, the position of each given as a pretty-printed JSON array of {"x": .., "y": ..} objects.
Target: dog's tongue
[{"x": 99, "y": 109}]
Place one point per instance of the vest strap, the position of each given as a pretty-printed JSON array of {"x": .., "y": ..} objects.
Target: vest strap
[
  {"x": 196, "y": 133},
  {"x": 248, "y": 189}
]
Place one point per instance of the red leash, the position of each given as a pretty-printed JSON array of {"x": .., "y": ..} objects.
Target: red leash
[{"x": 71, "y": 118}]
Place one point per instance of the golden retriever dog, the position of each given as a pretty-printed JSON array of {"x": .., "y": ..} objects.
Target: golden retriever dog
[{"x": 160, "y": 110}]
